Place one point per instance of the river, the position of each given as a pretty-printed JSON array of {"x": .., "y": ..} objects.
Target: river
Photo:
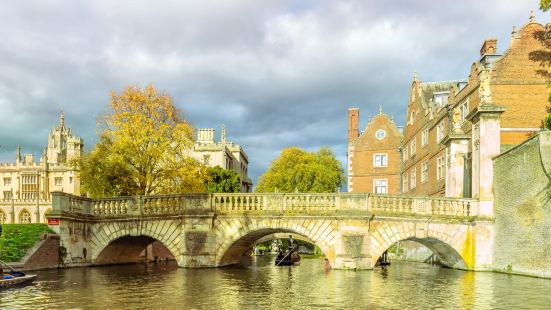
[{"x": 261, "y": 285}]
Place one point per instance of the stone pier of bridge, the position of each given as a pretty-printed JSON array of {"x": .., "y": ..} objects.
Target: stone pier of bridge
[{"x": 213, "y": 230}]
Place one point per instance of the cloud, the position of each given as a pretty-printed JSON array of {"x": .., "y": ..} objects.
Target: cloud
[{"x": 277, "y": 73}]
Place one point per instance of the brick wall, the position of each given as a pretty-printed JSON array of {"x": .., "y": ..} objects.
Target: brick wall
[
  {"x": 44, "y": 255},
  {"x": 361, "y": 169},
  {"x": 522, "y": 179}
]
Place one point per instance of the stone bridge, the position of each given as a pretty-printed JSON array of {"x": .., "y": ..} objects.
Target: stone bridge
[{"x": 211, "y": 230}]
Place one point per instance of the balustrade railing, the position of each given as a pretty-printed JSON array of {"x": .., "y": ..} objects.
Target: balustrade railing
[{"x": 293, "y": 203}]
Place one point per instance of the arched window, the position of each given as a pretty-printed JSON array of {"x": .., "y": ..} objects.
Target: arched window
[
  {"x": 3, "y": 217},
  {"x": 24, "y": 217},
  {"x": 48, "y": 211}
]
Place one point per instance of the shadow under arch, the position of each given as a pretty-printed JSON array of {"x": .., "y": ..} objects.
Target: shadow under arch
[
  {"x": 446, "y": 253},
  {"x": 128, "y": 249},
  {"x": 233, "y": 254}
]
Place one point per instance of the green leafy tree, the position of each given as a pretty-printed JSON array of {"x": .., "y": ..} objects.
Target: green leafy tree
[
  {"x": 143, "y": 148},
  {"x": 305, "y": 172},
  {"x": 223, "y": 181},
  {"x": 544, "y": 56}
]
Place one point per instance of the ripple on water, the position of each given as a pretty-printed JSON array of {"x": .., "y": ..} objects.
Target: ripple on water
[{"x": 264, "y": 286}]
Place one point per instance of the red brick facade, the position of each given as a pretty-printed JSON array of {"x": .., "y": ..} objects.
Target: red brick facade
[
  {"x": 373, "y": 156},
  {"x": 514, "y": 81}
]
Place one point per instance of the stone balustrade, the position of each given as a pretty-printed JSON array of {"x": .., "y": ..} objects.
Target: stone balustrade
[{"x": 279, "y": 203}]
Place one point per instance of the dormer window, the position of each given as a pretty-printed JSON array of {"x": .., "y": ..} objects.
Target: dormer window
[{"x": 440, "y": 99}]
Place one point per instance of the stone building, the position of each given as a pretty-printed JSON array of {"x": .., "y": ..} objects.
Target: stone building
[
  {"x": 373, "y": 155},
  {"x": 225, "y": 154},
  {"x": 454, "y": 128},
  {"x": 25, "y": 185}
]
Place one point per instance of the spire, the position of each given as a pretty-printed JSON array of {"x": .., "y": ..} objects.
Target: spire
[
  {"x": 18, "y": 154},
  {"x": 61, "y": 120},
  {"x": 414, "y": 75},
  {"x": 392, "y": 118},
  {"x": 532, "y": 17},
  {"x": 223, "y": 134},
  {"x": 514, "y": 31},
  {"x": 380, "y": 109}
]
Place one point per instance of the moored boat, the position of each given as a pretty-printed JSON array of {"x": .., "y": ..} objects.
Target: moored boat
[
  {"x": 13, "y": 278},
  {"x": 17, "y": 281}
]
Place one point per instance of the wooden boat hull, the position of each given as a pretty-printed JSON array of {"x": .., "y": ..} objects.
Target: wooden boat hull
[{"x": 17, "y": 281}]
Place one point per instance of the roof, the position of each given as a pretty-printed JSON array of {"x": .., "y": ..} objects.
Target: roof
[{"x": 429, "y": 88}]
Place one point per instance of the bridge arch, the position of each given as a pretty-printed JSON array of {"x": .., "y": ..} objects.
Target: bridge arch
[
  {"x": 122, "y": 242},
  {"x": 449, "y": 241},
  {"x": 236, "y": 236}
]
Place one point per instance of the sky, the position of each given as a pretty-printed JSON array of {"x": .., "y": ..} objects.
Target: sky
[{"x": 276, "y": 73}]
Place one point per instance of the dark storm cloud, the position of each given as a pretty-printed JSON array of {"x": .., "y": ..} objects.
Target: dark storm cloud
[{"x": 277, "y": 73}]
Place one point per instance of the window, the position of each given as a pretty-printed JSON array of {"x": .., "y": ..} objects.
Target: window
[
  {"x": 380, "y": 186},
  {"x": 70, "y": 180},
  {"x": 424, "y": 172},
  {"x": 7, "y": 181},
  {"x": 425, "y": 137},
  {"x": 7, "y": 195},
  {"x": 441, "y": 98},
  {"x": 413, "y": 146},
  {"x": 405, "y": 183},
  {"x": 440, "y": 168},
  {"x": 380, "y": 134},
  {"x": 380, "y": 160},
  {"x": 206, "y": 159},
  {"x": 58, "y": 181},
  {"x": 464, "y": 111},
  {"x": 24, "y": 217},
  {"x": 440, "y": 131},
  {"x": 405, "y": 152},
  {"x": 413, "y": 182},
  {"x": 3, "y": 217}
]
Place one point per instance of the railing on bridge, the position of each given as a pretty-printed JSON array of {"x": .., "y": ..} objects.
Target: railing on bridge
[{"x": 272, "y": 203}]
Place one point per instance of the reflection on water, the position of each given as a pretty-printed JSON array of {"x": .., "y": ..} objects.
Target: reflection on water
[{"x": 261, "y": 285}]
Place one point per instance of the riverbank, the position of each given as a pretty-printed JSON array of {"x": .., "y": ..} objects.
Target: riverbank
[{"x": 17, "y": 239}]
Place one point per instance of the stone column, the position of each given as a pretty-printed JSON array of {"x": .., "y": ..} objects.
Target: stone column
[
  {"x": 485, "y": 145},
  {"x": 457, "y": 147}
]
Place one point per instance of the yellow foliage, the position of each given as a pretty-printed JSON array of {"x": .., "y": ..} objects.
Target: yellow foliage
[{"x": 145, "y": 139}]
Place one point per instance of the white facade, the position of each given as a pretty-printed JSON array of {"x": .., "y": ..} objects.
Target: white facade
[
  {"x": 25, "y": 185},
  {"x": 227, "y": 155}
]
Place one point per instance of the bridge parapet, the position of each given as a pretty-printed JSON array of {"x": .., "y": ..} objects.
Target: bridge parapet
[
  {"x": 266, "y": 203},
  {"x": 345, "y": 203}
]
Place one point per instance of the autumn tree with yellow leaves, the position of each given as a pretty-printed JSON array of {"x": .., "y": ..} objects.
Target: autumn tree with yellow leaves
[{"x": 143, "y": 148}]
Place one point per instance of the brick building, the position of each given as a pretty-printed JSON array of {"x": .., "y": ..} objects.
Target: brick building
[
  {"x": 373, "y": 155},
  {"x": 446, "y": 149}
]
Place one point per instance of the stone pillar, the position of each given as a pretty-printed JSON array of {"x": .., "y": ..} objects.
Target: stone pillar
[
  {"x": 457, "y": 147},
  {"x": 352, "y": 248},
  {"x": 485, "y": 137},
  {"x": 198, "y": 243}
]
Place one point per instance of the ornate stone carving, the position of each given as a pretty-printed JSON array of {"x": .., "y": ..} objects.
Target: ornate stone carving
[
  {"x": 484, "y": 88},
  {"x": 456, "y": 117}
]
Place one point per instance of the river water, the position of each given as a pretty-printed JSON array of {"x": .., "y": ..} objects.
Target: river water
[{"x": 261, "y": 285}]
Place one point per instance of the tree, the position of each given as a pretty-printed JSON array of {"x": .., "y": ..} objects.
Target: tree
[
  {"x": 544, "y": 57},
  {"x": 223, "y": 181},
  {"x": 305, "y": 172},
  {"x": 545, "y": 5},
  {"x": 143, "y": 148}
]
